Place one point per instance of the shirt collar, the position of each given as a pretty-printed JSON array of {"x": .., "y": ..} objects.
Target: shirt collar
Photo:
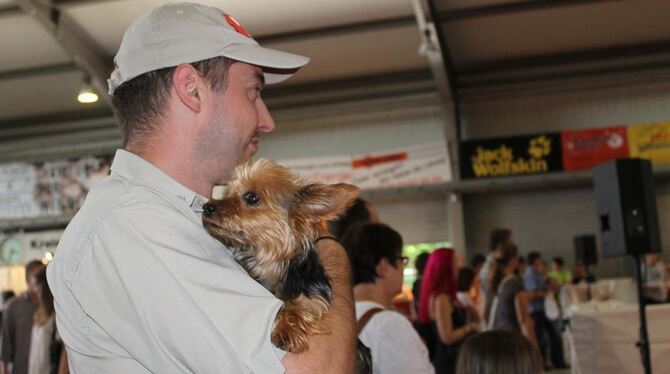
[{"x": 140, "y": 171}]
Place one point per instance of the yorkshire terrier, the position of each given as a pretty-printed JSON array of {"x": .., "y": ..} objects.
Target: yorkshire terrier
[{"x": 270, "y": 220}]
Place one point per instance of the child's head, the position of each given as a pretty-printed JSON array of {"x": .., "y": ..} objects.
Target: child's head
[{"x": 498, "y": 351}]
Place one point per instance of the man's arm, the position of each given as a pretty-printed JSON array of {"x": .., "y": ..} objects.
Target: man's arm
[{"x": 333, "y": 352}]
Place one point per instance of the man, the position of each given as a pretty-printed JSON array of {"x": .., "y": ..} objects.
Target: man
[
  {"x": 375, "y": 251},
  {"x": 17, "y": 325},
  {"x": 535, "y": 282},
  {"x": 140, "y": 287}
]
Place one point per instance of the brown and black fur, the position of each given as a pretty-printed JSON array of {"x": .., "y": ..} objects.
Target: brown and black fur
[{"x": 270, "y": 219}]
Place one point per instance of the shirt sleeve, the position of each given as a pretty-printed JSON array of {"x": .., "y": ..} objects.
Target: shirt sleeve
[
  {"x": 399, "y": 347},
  {"x": 168, "y": 303}
]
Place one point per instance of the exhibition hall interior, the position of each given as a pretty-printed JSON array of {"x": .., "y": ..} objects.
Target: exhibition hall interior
[{"x": 511, "y": 160}]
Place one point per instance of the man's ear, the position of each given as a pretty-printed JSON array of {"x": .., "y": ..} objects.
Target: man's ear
[
  {"x": 186, "y": 82},
  {"x": 326, "y": 201}
]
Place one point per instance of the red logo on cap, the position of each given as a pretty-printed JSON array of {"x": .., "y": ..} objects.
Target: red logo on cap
[{"x": 236, "y": 25}]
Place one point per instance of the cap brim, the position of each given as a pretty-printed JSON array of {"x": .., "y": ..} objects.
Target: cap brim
[{"x": 277, "y": 65}]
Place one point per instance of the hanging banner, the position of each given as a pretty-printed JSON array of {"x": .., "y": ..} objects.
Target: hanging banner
[
  {"x": 17, "y": 189},
  {"x": 51, "y": 188},
  {"x": 650, "y": 141},
  {"x": 323, "y": 169},
  {"x": 504, "y": 157},
  {"x": 583, "y": 149},
  {"x": 413, "y": 166}
]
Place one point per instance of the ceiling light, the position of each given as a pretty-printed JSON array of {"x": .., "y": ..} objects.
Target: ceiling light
[{"x": 86, "y": 93}]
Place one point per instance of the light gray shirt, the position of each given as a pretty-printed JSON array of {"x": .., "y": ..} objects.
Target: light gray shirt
[{"x": 140, "y": 287}]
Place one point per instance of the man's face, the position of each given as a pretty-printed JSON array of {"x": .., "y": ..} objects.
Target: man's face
[{"x": 238, "y": 117}]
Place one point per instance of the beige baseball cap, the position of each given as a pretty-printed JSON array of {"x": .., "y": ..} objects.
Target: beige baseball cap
[{"x": 182, "y": 33}]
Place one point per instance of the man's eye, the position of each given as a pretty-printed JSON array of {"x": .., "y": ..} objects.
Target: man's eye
[{"x": 251, "y": 198}]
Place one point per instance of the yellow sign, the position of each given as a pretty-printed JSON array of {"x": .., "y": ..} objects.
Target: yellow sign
[
  {"x": 650, "y": 141},
  {"x": 501, "y": 161}
]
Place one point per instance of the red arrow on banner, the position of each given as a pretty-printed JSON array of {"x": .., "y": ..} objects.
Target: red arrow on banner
[{"x": 370, "y": 161}]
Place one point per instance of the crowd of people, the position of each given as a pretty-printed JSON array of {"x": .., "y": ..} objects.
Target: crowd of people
[{"x": 453, "y": 302}]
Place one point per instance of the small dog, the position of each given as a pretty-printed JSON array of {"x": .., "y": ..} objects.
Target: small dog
[{"x": 270, "y": 219}]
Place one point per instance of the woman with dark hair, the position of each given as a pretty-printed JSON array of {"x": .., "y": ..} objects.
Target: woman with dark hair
[
  {"x": 439, "y": 305},
  {"x": 508, "y": 306},
  {"x": 377, "y": 263},
  {"x": 46, "y": 347},
  {"x": 498, "y": 352}
]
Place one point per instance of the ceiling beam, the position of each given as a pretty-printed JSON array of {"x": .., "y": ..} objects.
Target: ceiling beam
[
  {"x": 614, "y": 52},
  {"x": 509, "y": 8},
  {"x": 74, "y": 42},
  {"x": 38, "y": 70},
  {"x": 337, "y": 29}
]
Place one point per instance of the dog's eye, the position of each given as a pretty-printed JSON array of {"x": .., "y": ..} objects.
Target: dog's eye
[{"x": 251, "y": 198}]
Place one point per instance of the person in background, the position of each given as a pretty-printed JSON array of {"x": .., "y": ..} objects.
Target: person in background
[
  {"x": 46, "y": 348},
  {"x": 559, "y": 274},
  {"x": 655, "y": 279},
  {"x": 7, "y": 297},
  {"x": 521, "y": 270},
  {"x": 508, "y": 302},
  {"x": 477, "y": 262},
  {"x": 498, "y": 352},
  {"x": 497, "y": 238},
  {"x": 360, "y": 212},
  {"x": 377, "y": 264},
  {"x": 424, "y": 329},
  {"x": 536, "y": 284},
  {"x": 17, "y": 324},
  {"x": 440, "y": 306},
  {"x": 464, "y": 284},
  {"x": 582, "y": 275},
  {"x": 420, "y": 265},
  {"x": 464, "y": 281}
]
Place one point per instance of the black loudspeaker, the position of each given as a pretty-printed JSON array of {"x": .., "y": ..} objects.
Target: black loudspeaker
[
  {"x": 627, "y": 207},
  {"x": 585, "y": 250}
]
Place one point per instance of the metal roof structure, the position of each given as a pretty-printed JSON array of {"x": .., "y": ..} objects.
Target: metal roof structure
[{"x": 50, "y": 46}]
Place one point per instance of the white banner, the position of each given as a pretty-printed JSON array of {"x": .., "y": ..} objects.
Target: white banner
[
  {"x": 412, "y": 166},
  {"x": 323, "y": 169},
  {"x": 48, "y": 188}
]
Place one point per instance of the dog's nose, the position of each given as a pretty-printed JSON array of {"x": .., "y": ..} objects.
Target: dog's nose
[{"x": 208, "y": 209}]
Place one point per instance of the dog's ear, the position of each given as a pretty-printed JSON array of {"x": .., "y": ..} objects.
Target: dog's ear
[{"x": 326, "y": 201}]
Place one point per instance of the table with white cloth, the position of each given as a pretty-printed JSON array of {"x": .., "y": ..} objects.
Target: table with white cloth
[{"x": 603, "y": 337}]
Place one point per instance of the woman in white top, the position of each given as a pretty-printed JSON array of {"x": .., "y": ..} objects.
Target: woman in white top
[
  {"x": 377, "y": 264},
  {"x": 46, "y": 349}
]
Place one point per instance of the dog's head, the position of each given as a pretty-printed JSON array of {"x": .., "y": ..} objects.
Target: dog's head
[{"x": 269, "y": 213}]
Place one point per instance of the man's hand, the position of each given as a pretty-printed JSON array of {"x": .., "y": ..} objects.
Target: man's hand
[{"x": 333, "y": 352}]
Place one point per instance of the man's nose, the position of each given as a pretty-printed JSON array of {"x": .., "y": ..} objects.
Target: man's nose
[{"x": 265, "y": 121}]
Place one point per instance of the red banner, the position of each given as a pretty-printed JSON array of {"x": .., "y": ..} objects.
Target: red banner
[{"x": 583, "y": 149}]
